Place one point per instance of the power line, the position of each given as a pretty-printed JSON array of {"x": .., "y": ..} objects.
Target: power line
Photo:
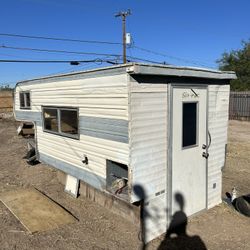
[
  {"x": 195, "y": 62},
  {"x": 56, "y": 61},
  {"x": 75, "y": 62},
  {"x": 172, "y": 57},
  {"x": 59, "y": 51},
  {"x": 75, "y": 52},
  {"x": 60, "y": 39},
  {"x": 143, "y": 60}
]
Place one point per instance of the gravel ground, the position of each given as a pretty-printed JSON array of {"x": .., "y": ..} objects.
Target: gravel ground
[{"x": 218, "y": 228}]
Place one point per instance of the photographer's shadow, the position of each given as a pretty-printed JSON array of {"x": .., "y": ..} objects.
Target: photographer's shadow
[{"x": 176, "y": 236}]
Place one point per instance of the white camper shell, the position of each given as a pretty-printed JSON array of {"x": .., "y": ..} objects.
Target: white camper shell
[{"x": 161, "y": 129}]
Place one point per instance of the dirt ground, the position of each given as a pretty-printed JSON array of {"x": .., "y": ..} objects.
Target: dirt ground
[{"x": 218, "y": 228}]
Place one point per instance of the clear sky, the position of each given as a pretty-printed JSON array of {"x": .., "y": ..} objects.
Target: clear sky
[{"x": 194, "y": 32}]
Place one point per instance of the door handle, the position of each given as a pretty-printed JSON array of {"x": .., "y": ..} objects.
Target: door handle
[{"x": 205, "y": 155}]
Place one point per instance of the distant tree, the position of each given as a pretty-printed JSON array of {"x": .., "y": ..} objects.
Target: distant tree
[
  {"x": 5, "y": 87},
  {"x": 238, "y": 61}
]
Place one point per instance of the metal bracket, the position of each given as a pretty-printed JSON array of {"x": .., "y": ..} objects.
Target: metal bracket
[{"x": 206, "y": 155}]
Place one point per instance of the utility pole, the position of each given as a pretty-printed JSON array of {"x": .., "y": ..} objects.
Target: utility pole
[{"x": 124, "y": 14}]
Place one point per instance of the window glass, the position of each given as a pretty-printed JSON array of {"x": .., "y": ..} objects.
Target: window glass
[
  {"x": 189, "y": 124},
  {"x": 61, "y": 121},
  {"x": 50, "y": 119},
  {"x": 69, "y": 121},
  {"x": 27, "y": 95},
  {"x": 22, "y": 102}
]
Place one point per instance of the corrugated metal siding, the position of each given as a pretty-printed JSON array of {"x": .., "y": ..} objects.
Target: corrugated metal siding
[
  {"x": 148, "y": 137},
  {"x": 217, "y": 126},
  {"x": 102, "y": 98}
]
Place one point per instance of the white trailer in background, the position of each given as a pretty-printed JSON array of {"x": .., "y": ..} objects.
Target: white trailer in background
[{"x": 137, "y": 131}]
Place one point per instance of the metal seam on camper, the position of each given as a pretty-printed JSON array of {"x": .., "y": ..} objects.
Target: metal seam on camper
[
  {"x": 170, "y": 151},
  {"x": 169, "y": 156},
  {"x": 207, "y": 131}
]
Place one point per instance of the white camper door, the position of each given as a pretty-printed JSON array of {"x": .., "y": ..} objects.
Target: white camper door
[{"x": 189, "y": 137}]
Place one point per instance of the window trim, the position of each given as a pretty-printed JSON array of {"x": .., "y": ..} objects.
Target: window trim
[
  {"x": 60, "y": 133},
  {"x": 24, "y": 93},
  {"x": 197, "y": 126}
]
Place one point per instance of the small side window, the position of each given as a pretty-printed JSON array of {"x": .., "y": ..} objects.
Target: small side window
[{"x": 24, "y": 100}]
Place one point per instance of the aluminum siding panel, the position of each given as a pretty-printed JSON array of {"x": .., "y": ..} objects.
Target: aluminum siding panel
[
  {"x": 103, "y": 98},
  {"x": 148, "y": 137},
  {"x": 148, "y": 152},
  {"x": 217, "y": 126}
]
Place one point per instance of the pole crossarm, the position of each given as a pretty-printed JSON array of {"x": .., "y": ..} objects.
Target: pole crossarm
[{"x": 123, "y": 15}]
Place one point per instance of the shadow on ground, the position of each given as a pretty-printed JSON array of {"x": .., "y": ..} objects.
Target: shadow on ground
[{"x": 176, "y": 237}]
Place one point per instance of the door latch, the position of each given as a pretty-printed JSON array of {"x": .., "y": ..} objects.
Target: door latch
[{"x": 206, "y": 155}]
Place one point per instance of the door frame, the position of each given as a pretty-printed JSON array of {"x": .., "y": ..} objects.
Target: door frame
[{"x": 169, "y": 195}]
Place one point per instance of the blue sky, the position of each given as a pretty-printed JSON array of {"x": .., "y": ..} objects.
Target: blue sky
[{"x": 193, "y": 32}]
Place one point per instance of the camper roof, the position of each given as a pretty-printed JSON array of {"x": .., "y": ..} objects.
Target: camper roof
[{"x": 148, "y": 69}]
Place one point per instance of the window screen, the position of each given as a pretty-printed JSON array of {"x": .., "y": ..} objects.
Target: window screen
[
  {"x": 189, "y": 124},
  {"x": 69, "y": 121},
  {"x": 50, "y": 119}
]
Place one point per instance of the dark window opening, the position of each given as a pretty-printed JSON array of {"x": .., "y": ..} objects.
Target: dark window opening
[
  {"x": 50, "y": 119},
  {"x": 24, "y": 100},
  {"x": 189, "y": 124},
  {"x": 69, "y": 121},
  {"x": 27, "y": 99}
]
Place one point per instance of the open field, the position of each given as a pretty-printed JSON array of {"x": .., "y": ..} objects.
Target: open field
[{"x": 97, "y": 228}]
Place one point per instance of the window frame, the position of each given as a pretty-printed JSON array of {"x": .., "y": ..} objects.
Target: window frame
[
  {"x": 24, "y": 93},
  {"x": 197, "y": 126},
  {"x": 60, "y": 133}
]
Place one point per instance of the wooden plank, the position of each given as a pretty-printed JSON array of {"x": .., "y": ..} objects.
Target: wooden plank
[{"x": 35, "y": 211}]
